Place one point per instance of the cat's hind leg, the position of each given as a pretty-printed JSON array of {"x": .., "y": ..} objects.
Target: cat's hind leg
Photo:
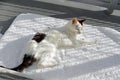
[{"x": 47, "y": 61}]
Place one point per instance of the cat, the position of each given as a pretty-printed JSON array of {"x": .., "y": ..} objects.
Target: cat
[
  {"x": 46, "y": 51},
  {"x": 43, "y": 48}
]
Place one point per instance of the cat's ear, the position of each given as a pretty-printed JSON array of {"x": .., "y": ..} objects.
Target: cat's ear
[
  {"x": 81, "y": 21},
  {"x": 74, "y": 20}
]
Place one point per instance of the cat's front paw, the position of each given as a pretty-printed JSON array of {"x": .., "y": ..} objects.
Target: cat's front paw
[{"x": 90, "y": 41}]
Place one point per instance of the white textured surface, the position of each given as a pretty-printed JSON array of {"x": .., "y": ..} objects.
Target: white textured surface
[{"x": 90, "y": 62}]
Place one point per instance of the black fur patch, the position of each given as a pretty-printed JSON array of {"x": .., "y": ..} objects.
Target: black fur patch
[
  {"x": 81, "y": 21},
  {"x": 39, "y": 37},
  {"x": 28, "y": 60}
]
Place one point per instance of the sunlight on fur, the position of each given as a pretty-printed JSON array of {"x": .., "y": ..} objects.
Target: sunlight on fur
[{"x": 45, "y": 52}]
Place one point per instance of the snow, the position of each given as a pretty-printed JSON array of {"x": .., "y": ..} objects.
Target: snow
[{"x": 99, "y": 61}]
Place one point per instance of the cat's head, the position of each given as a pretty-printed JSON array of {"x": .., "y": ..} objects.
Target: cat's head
[{"x": 76, "y": 25}]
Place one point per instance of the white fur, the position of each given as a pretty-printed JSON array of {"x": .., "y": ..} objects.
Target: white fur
[
  {"x": 45, "y": 54},
  {"x": 31, "y": 47},
  {"x": 46, "y": 51}
]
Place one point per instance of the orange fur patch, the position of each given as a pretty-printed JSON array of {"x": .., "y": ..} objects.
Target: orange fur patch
[{"x": 74, "y": 20}]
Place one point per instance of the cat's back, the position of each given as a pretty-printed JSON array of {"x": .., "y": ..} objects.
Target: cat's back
[
  {"x": 54, "y": 32},
  {"x": 54, "y": 35}
]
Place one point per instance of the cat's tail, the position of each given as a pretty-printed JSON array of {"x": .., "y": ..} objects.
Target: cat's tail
[{"x": 28, "y": 60}]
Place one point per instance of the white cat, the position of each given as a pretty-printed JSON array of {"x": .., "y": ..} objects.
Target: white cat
[
  {"x": 43, "y": 48},
  {"x": 46, "y": 51}
]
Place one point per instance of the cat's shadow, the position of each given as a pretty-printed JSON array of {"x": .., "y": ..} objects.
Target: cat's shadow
[{"x": 12, "y": 53}]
